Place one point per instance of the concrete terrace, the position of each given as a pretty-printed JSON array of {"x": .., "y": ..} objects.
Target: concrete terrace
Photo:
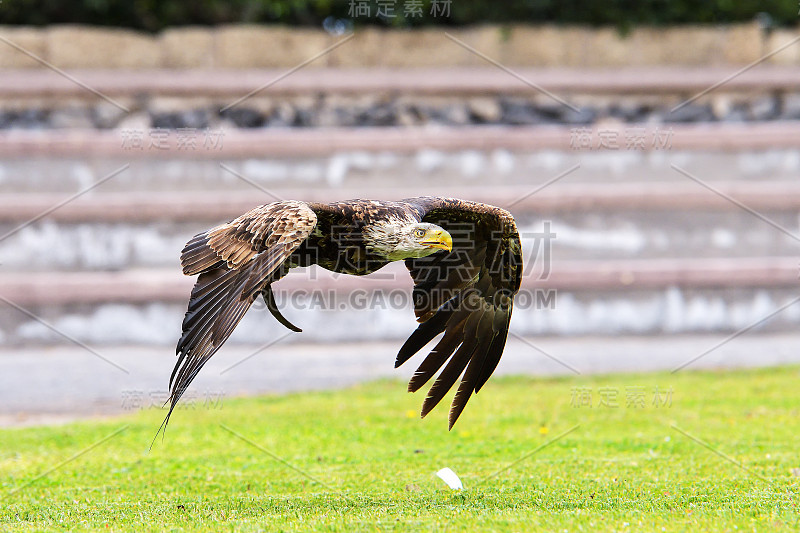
[{"x": 657, "y": 252}]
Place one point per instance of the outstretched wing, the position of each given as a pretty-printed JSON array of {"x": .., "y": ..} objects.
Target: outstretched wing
[
  {"x": 235, "y": 262},
  {"x": 467, "y": 294}
]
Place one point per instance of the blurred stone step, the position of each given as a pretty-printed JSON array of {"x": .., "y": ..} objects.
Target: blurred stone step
[
  {"x": 357, "y": 159},
  {"x": 458, "y": 81},
  {"x": 147, "y": 285},
  {"x": 303, "y": 142},
  {"x": 558, "y": 197},
  {"x": 43, "y": 99},
  {"x": 580, "y": 297},
  {"x": 117, "y": 231},
  {"x": 333, "y": 317}
]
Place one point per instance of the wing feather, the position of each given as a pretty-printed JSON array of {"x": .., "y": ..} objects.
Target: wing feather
[
  {"x": 473, "y": 371},
  {"x": 449, "y": 375},
  {"x": 492, "y": 357},
  {"x": 467, "y": 294},
  {"x": 236, "y": 261},
  {"x": 452, "y": 338},
  {"x": 425, "y": 333}
]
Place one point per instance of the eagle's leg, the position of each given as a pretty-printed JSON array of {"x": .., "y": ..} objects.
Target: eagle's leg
[{"x": 269, "y": 299}]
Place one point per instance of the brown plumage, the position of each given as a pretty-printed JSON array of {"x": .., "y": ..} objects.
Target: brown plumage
[{"x": 464, "y": 258}]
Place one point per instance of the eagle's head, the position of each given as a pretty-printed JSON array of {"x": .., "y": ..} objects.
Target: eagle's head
[{"x": 402, "y": 240}]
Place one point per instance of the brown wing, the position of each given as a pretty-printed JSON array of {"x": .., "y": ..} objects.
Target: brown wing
[
  {"x": 235, "y": 262},
  {"x": 467, "y": 294}
]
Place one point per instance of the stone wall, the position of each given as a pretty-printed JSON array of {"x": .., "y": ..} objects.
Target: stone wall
[{"x": 249, "y": 46}]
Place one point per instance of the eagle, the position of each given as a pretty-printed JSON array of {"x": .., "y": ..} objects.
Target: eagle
[{"x": 464, "y": 258}]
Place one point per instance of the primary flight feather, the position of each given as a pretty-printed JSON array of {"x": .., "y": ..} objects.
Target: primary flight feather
[{"x": 464, "y": 257}]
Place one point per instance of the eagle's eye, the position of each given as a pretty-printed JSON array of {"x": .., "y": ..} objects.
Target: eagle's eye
[{"x": 419, "y": 233}]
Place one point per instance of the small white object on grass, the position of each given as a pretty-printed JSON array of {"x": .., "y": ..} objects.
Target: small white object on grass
[{"x": 450, "y": 477}]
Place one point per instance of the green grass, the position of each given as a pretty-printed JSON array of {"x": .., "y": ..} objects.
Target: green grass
[{"x": 622, "y": 468}]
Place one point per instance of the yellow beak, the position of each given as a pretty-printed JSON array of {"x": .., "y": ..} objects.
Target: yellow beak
[{"x": 441, "y": 240}]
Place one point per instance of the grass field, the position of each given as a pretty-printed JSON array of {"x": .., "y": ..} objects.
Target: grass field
[{"x": 704, "y": 450}]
